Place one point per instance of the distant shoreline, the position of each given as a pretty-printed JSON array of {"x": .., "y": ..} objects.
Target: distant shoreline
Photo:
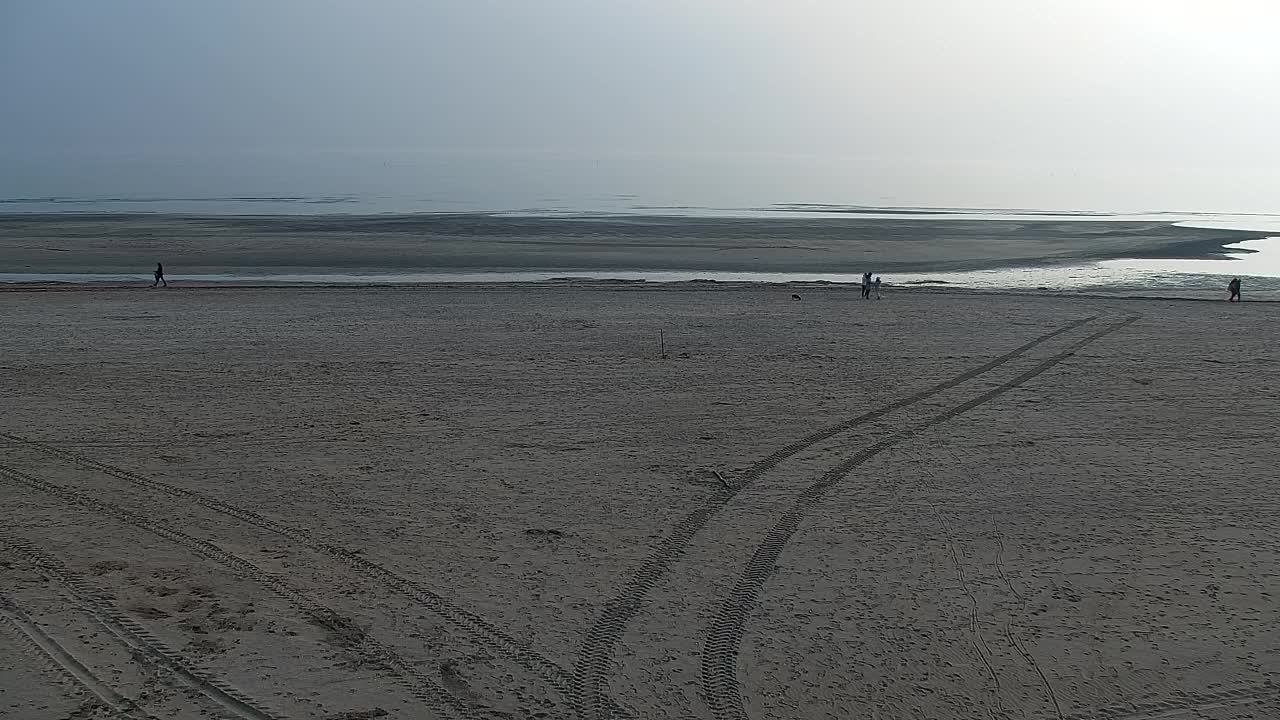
[{"x": 131, "y": 244}]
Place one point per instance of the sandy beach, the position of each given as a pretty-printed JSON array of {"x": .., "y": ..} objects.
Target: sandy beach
[{"x": 503, "y": 502}]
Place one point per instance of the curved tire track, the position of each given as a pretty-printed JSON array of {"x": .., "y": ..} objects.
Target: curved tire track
[
  {"x": 67, "y": 665},
  {"x": 976, "y": 639},
  {"x": 720, "y": 650},
  {"x": 422, "y": 688},
  {"x": 475, "y": 627},
  {"x": 1014, "y": 642},
  {"x": 590, "y": 674},
  {"x": 133, "y": 635}
]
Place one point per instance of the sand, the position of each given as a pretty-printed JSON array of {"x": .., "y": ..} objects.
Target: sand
[
  {"x": 502, "y": 503},
  {"x": 319, "y": 244}
]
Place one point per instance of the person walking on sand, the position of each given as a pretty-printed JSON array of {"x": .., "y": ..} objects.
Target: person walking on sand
[
  {"x": 866, "y": 286},
  {"x": 159, "y": 273},
  {"x": 877, "y": 286},
  {"x": 1233, "y": 287}
]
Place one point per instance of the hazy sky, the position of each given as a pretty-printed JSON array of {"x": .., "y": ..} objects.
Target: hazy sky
[{"x": 1108, "y": 104}]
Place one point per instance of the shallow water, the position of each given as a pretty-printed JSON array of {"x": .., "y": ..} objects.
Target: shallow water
[{"x": 1257, "y": 260}]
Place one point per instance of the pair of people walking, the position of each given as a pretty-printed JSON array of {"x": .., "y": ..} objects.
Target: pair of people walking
[{"x": 868, "y": 284}]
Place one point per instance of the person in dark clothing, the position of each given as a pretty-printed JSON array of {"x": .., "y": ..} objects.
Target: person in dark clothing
[
  {"x": 1233, "y": 287},
  {"x": 159, "y": 276}
]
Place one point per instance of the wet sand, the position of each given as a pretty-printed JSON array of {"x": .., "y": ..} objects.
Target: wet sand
[
  {"x": 501, "y": 502},
  {"x": 192, "y": 245}
]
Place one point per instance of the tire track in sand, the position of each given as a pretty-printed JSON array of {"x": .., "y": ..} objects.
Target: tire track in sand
[
  {"x": 590, "y": 674},
  {"x": 1014, "y": 642},
  {"x": 66, "y": 663},
  {"x": 976, "y": 639},
  {"x": 476, "y": 628},
  {"x": 419, "y": 685},
  {"x": 720, "y": 650},
  {"x": 133, "y": 635}
]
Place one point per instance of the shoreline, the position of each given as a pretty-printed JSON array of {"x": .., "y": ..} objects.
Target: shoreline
[
  {"x": 1120, "y": 294},
  {"x": 127, "y": 243}
]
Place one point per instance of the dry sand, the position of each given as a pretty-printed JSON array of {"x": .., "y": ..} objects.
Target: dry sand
[{"x": 501, "y": 503}]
